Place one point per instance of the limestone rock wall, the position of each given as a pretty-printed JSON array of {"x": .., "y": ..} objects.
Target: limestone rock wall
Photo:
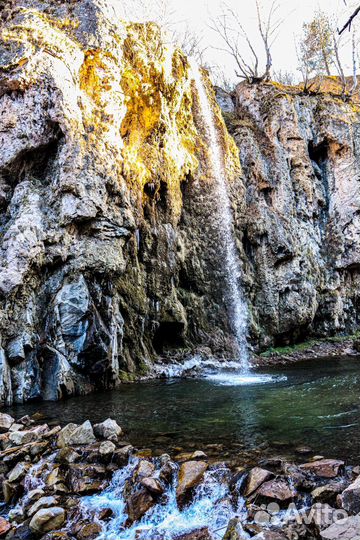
[
  {"x": 300, "y": 232},
  {"x": 108, "y": 250}
]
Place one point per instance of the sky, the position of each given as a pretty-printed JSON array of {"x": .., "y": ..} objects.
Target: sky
[{"x": 197, "y": 14}]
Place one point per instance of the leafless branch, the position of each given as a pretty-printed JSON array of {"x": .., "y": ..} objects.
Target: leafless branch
[{"x": 350, "y": 21}]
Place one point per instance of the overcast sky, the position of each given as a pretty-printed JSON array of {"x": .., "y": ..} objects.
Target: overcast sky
[{"x": 197, "y": 14}]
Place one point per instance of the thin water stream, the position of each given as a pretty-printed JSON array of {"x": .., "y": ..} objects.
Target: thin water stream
[{"x": 237, "y": 305}]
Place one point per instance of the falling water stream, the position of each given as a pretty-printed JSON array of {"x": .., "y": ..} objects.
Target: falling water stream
[{"x": 237, "y": 305}]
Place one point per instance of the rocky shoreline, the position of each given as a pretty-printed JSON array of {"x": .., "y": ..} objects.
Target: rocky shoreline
[{"x": 52, "y": 477}]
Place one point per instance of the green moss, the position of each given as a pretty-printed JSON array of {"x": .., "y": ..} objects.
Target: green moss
[{"x": 299, "y": 347}]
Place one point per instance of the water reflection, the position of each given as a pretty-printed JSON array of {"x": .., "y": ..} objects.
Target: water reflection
[{"x": 313, "y": 404}]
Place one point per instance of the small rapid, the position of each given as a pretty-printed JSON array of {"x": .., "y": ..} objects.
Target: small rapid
[{"x": 212, "y": 506}]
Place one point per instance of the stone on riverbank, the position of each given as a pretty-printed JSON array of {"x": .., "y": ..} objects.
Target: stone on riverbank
[
  {"x": 345, "y": 529},
  {"x": 72, "y": 434},
  {"x": 190, "y": 475},
  {"x": 47, "y": 519},
  {"x": 324, "y": 468},
  {"x": 6, "y": 422},
  {"x": 257, "y": 476},
  {"x": 109, "y": 429},
  {"x": 350, "y": 498}
]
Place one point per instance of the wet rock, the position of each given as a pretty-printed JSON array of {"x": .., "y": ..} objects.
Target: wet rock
[
  {"x": 198, "y": 534},
  {"x": 18, "y": 438},
  {"x": 168, "y": 470},
  {"x": 10, "y": 491},
  {"x": 23, "y": 532},
  {"x": 18, "y": 472},
  {"x": 89, "y": 531},
  {"x": 73, "y": 435},
  {"x": 256, "y": 477},
  {"x": 107, "y": 448},
  {"x": 86, "y": 478},
  {"x": 43, "y": 502},
  {"x": 270, "y": 535},
  {"x": 190, "y": 475},
  {"x": 38, "y": 448},
  {"x": 5, "y": 526},
  {"x": 138, "y": 503},
  {"x": 325, "y": 468},
  {"x": 67, "y": 455},
  {"x": 153, "y": 485},
  {"x": 277, "y": 490},
  {"x": 48, "y": 519},
  {"x": 6, "y": 422},
  {"x": 121, "y": 455},
  {"x": 350, "y": 498},
  {"x": 234, "y": 530},
  {"x": 327, "y": 493},
  {"x": 144, "y": 469},
  {"x": 344, "y": 529},
  {"x": 109, "y": 429}
]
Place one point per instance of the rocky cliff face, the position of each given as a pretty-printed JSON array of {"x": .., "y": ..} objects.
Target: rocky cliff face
[
  {"x": 300, "y": 232},
  {"x": 109, "y": 254}
]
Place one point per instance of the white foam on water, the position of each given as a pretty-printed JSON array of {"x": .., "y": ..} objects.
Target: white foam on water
[
  {"x": 212, "y": 506},
  {"x": 239, "y": 379}
]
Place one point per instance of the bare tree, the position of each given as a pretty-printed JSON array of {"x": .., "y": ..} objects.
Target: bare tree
[
  {"x": 158, "y": 11},
  {"x": 229, "y": 27},
  {"x": 286, "y": 78},
  {"x": 350, "y": 20},
  {"x": 190, "y": 42},
  {"x": 338, "y": 63}
]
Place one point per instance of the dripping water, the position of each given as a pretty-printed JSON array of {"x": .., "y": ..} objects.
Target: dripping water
[{"x": 237, "y": 305}]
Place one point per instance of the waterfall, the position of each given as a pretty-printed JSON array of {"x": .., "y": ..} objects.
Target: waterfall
[{"x": 236, "y": 304}]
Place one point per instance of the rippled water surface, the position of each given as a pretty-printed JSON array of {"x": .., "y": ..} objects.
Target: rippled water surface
[{"x": 314, "y": 404}]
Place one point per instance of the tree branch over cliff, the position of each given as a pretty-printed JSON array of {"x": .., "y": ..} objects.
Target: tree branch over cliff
[
  {"x": 350, "y": 20},
  {"x": 234, "y": 36}
]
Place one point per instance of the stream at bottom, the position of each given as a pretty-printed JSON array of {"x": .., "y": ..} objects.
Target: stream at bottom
[
  {"x": 313, "y": 404},
  {"x": 231, "y": 423}
]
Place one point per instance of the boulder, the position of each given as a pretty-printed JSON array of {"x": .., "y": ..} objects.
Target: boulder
[
  {"x": 270, "y": 535},
  {"x": 234, "y": 530},
  {"x": 4, "y": 526},
  {"x": 43, "y": 502},
  {"x": 327, "y": 493},
  {"x": 6, "y": 421},
  {"x": 109, "y": 429},
  {"x": 350, "y": 498},
  {"x": 107, "y": 448},
  {"x": 278, "y": 490},
  {"x": 18, "y": 438},
  {"x": 47, "y": 519},
  {"x": 324, "y": 468},
  {"x": 153, "y": 485},
  {"x": 197, "y": 534},
  {"x": 144, "y": 469},
  {"x": 10, "y": 491},
  {"x": 86, "y": 479},
  {"x": 255, "y": 479},
  {"x": 344, "y": 529},
  {"x": 138, "y": 503},
  {"x": 73, "y": 435},
  {"x": 18, "y": 472},
  {"x": 190, "y": 475},
  {"x": 90, "y": 531},
  {"x": 67, "y": 455}
]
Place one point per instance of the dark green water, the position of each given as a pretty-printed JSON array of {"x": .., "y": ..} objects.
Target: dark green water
[{"x": 318, "y": 405}]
